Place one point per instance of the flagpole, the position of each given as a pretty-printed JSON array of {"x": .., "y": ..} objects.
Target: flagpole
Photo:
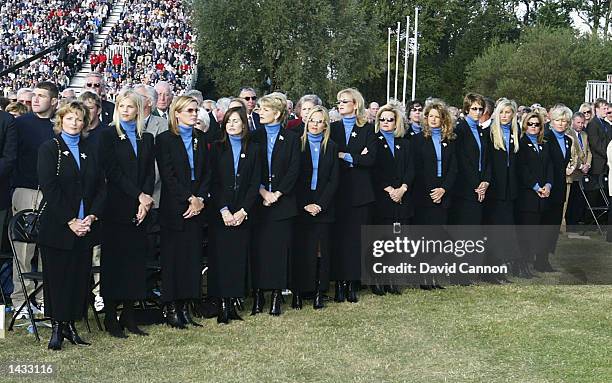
[
  {"x": 406, "y": 60},
  {"x": 415, "y": 51},
  {"x": 389, "y": 64},
  {"x": 397, "y": 59}
]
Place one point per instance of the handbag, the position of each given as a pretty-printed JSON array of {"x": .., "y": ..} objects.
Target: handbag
[{"x": 30, "y": 225}]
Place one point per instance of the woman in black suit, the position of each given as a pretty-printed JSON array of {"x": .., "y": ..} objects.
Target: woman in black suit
[
  {"x": 535, "y": 183},
  {"x": 129, "y": 161},
  {"x": 560, "y": 155},
  {"x": 357, "y": 151},
  {"x": 315, "y": 191},
  {"x": 415, "y": 110},
  {"x": 236, "y": 175},
  {"x": 393, "y": 176},
  {"x": 503, "y": 141},
  {"x": 183, "y": 160},
  {"x": 73, "y": 187},
  {"x": 280, "y": 160}
]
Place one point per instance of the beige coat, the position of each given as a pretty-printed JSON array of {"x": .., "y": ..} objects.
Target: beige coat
[{"x": 580, "y": 156}]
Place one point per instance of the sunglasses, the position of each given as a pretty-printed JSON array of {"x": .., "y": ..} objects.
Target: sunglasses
[
  {"x": 416, "y": 109},
  {"x": 93, "y": 85},
  {"x": 190, "y": 110},
  {"x": 317, "y": 122},
  {"x": 343, "y": 102},
  {"x": 475, "y": 109},
  {"x": 249, "y": 98},
  {"x": 390, "y": 119},
  {"x": 586, "y": 112},
  {"x": 534, "y": 124}
]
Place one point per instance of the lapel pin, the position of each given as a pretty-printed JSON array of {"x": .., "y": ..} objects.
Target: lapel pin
[
  {"x": 195, "y": 144},
  {"x": 529, "y": 145},
  {"x": 380, "y": 137},
  {"x": 397, "y": 146},
  {"x": 242, "y": 155},
  {"x": 354, "y": 134},
  {"x": 66, "y": 153},
  {"x": 83, "y": 155},
  {"x": 281, "y": 138},
  {"x": 386, "y": 146},
  {"x": 444, "y": 144},
  {"x": 122, "y": 136},
  {"x": 540, "y": 146}
]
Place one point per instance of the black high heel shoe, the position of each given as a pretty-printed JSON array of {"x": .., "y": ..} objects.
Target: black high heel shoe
[
  {"x": 233, "y": 314},
  {"x": 128, "y": 321},
  {"x": 275, "y": 305},
  {"x": 258, "y": 302},
  {"x": 172, "y": 317},
  {"x": 378, "y": 290},
  {"x": 223, "y": 316},
  {"x": 57, "y": 335},
  {"x": 340, "y": 291},
  {"x": 296, "y": 301},
  {"x": 351, "y": 292},
  {"x": 185, "y": 313},
  {"x": 69, "y": 332}
]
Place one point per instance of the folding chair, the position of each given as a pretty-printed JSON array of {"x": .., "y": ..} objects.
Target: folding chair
[
  {"x": 16, "y": 233},
  {"x": 588, "y": 183}
]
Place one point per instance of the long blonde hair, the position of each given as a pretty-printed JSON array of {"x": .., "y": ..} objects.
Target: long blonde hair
[
  {"x": 446, "y": 120},
  {"x": 357, "y": 98},
  {"x": 326, "y": 132},
  {"x": 178, "y": 105},
  {"x": 136, "y": 98},
  {"x": 497, "y": 137},
  {"x": 395, "y": 108}
]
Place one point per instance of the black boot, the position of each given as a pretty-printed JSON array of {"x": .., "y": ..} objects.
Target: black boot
[
  {"x": 296, "y": 302},
  {"x": 393, "y": 289},
  {"x": 340, "y": 288},
  {"x": 351, "y": 292},
  {"x": 69, "y": 332},
  {"x": 378, "y": 289},
  {"x": 258, "y": 302},
  {"x": 318, "y": 302},
  {"x": 128, "y": 320},
  {"x": 111, "y": 324},
  {"x": 436, "y": 284},
  {"x": 223, "y": 315},
  {"x": 57, "y": 335},
  {"x": 172, "y": 317},
  {"x": 238, "y": 303},
  {"x": 234, "y": 305},
  {"x": 185, "y": 315},
  {"x": 275, "y": 304}
]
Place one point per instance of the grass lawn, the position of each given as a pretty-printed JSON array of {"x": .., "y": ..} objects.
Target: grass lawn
[{"x": 530, "y": 331}]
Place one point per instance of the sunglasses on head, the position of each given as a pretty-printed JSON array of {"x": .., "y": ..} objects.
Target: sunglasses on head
[
  {"x": 249, "y": 98},
  {"x": 93, "y": 85}
]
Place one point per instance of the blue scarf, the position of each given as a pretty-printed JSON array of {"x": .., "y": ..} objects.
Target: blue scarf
[
  {"x": 130, "y": 131},
  {"x": 534, "y": 140},
  {"x": 349, "y": 123},
  {"x": 236, "y": 143},
  {"x": 186, "y": 133},
  {"x": 416, "y": 128},
  {"x": 314, "y": 140},
  {"x": 561, "y": 140},
  {"x": 390, "y": 138},
  {"x": 272, "y": 131},
  {"x": 72, "y": 142},
  {"x": 474, "y": 128},
  {"x": 507, "y": 134},
  {"x": 436, "y": 137}
]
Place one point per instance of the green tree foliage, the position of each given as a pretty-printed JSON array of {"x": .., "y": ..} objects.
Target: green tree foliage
[{"x": 546, "y": 65}]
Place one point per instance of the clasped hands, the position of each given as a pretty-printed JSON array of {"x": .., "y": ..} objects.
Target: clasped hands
[
  {"x": 146, "y": 202},
  {"x": 235, "y": 219},
  {"x": 269, "y": 197},
  {"x": 481, "y": 190},
  {"x": 396, "y": 194},
  {"x": 544, "y": 192},
  {"x": 81, "y": 227},
  {"x": 195, "y": 207},
  {"x": 313, "y": 209}
]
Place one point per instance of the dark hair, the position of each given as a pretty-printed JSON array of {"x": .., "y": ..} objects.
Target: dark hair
[
  {"x": 413, "y": 103},
  {"x": 245, "y": 125},
  {"x": 50, "y": 87},
  {"x": 4, "y": 102},
  {"x": 472, "y": 98},
  {"x": 599, "y": 102},
  {"x": 489, "y": 106}
]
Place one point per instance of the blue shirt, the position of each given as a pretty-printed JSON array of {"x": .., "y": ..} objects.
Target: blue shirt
[
  {"x": 474, "y": 128},
  {"x": 436, "y": 137},
  {"x": 130, "y": 131},
  {"x": 72, "y": 141},
  {"x": 390, "y": 138},
  {"x": 314, "y": 141},
  {"x": 186, "y": 133},
  {"x": 561, "y": 141},
  {"x": 272, "y": 131},
  {"x": 236, "y": 143},
  {"x": 506, "y": 133}
]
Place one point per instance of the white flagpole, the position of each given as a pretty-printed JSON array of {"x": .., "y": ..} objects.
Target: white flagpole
[
  {"x": 415, "y": 52},
  {"x": 389, "y": 65},
  {"x": 406, "y": 60},
  {"x": 397, "y": 59}
]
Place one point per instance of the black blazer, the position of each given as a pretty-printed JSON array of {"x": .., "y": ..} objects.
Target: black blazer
[
  {"x": 598, "y": 142},
  {"x": 504, "y": 178},
  {"x": 214, "y": 129},
  {"x": 175, "y": 174},
  {"x": 468, "y": 154},
  {"x": 63, "y": 193},
  {"x": 327, "y": 183},
  {"x": 356, "y": 181},
  {"x": 258, "y": 124},
  {"x": 426, "y": 169},
  {"x": 533, "y": 167},
  {"x": 239, "y": 191},
  {"x": 410, "y": 133},
  {"x": 127, "y": 174},
  {"x": 8, "y": 156},
  {"x": 108, "y": 111},
  {"x": 559, "y": 162},
  {"x": 285, "y": 169},
  {"x": 394, "y": 171}
]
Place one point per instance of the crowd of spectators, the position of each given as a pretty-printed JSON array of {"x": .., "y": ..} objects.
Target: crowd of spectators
[{"x": 29, "y": 26}]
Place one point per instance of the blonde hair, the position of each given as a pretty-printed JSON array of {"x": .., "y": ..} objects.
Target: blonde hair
[
  {"x": 278, "y": 102},
  {"x": 528, "y": 117},
  {"x": 394, "y": 108},
  {"x": 446, "y": 125},
  {"x": 497, "y": 137},
  {"x": 178, "y": 105},
  {"x": 71, "y": 107},
  {"x": 561, "y": 112},
  {"x": 137, "y": 99},
  {"x": 326, "y": 132},
  {"x": 360, "y": 111}
]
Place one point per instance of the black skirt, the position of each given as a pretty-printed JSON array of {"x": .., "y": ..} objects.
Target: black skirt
[
  {"x": 346, "y": 233},
  {"x": 181, "y": 262},
  {"x": 122, "y": 263},
  {"x": 66, "y": 279},
  {"x": 270, "y": 261},
  {"x": 227, "y": 260},
  {"x": 310, "y": 240},
  {"x": 465, "y": 212}
]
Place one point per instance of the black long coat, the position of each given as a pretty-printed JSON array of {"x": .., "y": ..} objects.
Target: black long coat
[
  {"x": 559, "y": 162},
  {"x": 504, "y": 178},
  {"x": 468, "y": 156},
  {"x": 534, "y": 166},
  {"x": 8, "y": 156},
  {"x": 393, "y": 170}
]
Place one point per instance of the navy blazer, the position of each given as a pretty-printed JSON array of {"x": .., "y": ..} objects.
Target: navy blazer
[
  {"x": 504, "y": 178},
  {"x": 598, "y": 142},
  {"x": 468, "y": 155},
  {"x": 8, "y": 156},
  {"x": 534, "y": 166}
]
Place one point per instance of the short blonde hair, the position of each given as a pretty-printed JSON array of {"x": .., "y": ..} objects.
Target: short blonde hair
[
  {"x": 326, "y": 132},
  {"x": 278, "y": 102},
  {"x": 137, "y": 99},
  {"x": 71, "y": 107},
  {"x": 561, "y": 112},
  {"x": 394, "y": 108},
  {"x": 528, "y": 117},
  {"x": 178, "y": 105},
  {"x": 447, "y": 123},
  {"x": 357, "y": 98}
]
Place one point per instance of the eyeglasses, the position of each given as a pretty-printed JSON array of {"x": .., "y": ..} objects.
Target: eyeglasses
[
  {"x": 190, "y": 110},
  {"x": 416, "y": 109},
  {"x": 317, "y": 122},
  {"x": 249, "y": 98},
  {"x": 93, "y": 85},
  {"x": 534, "y": 124},
  {"x": 586, "y": 112},
  {"x": 343, "y": 102},
  {"x": 390, "y": 119},
  {"x": 476, "y": 109}
]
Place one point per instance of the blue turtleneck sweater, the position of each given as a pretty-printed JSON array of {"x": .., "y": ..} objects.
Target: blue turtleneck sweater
[
  {"x": 474, "y": 128},
  {"x": 534, "y": 140},
  {"x": 560, "y": 136},
  {"x": 186, "y": 133},
  {"x": 314, "y": 141},
  {"x": 272, "y": 131},
  {"x": 130, "y": 131},
  {"x": 436, "y": 137},
  {"x": 416, "y": 128},
  {"x": 349, "y": 124},
  {"x": 390, "y": 138},
  {"x": 72, "y": 142},
  {"x": 236, "y": 143},
  {"x": 506, "y": 133}
]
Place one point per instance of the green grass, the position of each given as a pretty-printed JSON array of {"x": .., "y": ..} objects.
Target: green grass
[{"x": 530, "y": 331}]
